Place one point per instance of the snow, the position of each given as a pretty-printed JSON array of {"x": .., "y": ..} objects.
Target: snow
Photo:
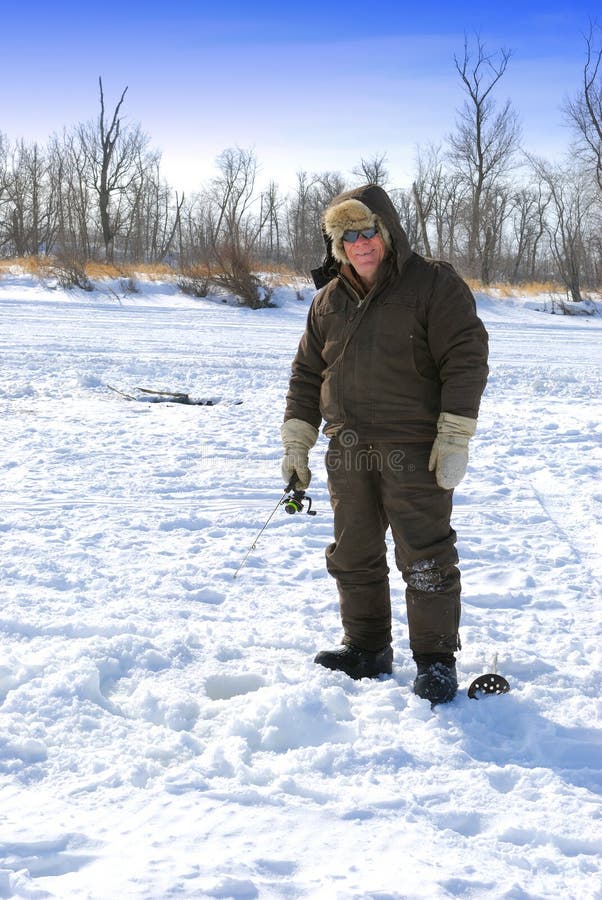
[{"x": 164, "y": 731}]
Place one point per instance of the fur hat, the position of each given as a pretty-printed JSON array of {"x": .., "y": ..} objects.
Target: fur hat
[{"x": 350, "y": 214}]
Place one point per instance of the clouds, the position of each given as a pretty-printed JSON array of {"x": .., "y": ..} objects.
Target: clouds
[{"x": 308, "y": 88}]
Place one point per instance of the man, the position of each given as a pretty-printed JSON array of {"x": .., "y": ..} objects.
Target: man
[{"x": 394, "y": 360}]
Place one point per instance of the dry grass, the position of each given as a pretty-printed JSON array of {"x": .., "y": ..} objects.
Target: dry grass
[
  {"x": 195, "y": 271},
  {"x": 104, "y": 270},
  {"x": 279, "y": 270},
  {"x": 524, "y": 289},
  {"x": 278, "y": 275},
  {"x": 40, "y": 266},
  {"x": 29, "y": 265},
  {"x": 152, "y": 271}
]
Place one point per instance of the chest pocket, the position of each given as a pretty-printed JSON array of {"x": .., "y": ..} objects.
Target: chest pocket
[
  {"x": 395, "y": 325},
  {"x": 401, "y": 299},
  {"x": 331, "y": 304},
  {"x": 334, "y": 317}
]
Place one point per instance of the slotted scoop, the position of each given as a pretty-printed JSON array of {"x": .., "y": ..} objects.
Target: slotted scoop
[{"x": 490, "y": 683}]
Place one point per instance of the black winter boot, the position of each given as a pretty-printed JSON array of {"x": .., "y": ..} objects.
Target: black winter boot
[
  {"x": 436, "y": 678},
  {"x": 357, "y": 663}
]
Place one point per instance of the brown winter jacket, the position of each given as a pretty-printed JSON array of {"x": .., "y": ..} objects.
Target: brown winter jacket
[{"x": 385, "y": 365}]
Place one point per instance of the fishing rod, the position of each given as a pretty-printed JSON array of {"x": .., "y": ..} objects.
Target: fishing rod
[{"x": 293, "y": 502}]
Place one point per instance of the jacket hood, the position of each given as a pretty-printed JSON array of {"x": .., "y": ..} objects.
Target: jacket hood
[{"x": 359, "y": 208}]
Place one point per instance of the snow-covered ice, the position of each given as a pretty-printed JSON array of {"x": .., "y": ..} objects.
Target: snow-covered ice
[{"x": 163, "y": 729}]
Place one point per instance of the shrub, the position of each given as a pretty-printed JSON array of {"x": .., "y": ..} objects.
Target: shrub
[
  {"x": 70, "y": 273},
  {"x": 236, "y": 276},
  {"x": 129, "y": 286},
  {"x": 195, "y": 285}
]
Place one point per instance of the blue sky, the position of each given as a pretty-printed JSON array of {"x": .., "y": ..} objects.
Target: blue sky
[{"x": 315, "y": 86}]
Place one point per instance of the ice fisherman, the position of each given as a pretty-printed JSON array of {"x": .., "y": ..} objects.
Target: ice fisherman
[{"x": 393, "y": 360}]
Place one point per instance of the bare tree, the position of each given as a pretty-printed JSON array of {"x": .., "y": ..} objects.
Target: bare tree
[
  {"x": 30, "y": 210},
  {"x": 151, "y": 216},
  {"x": 373, "y": 170},
  {"x": 425, "y": 188},
  {"x": 194, "y": 233},
  {"x": 497, "y": 203},
  {"x": 585, "y": 111},
  {"x": 405, "y": 204},
  {"x": 112, "y": 153},
  {"x": 3, "y": 181},
  {"x": 439, "y": 197},
  {"x": 447, "y": 214},
  {"x": 327, "y": 186},
  {"x": 572, "y": 202},
  {"x": 303, "y": 225},
  {"x": 270, "y": 223},
  {"x": 528, "y": 211},
  {"x": 482, "y": 148},
  {"x": 76, "y": 234},
  {"x": 304, "y": 217},
  {"x": 233, "y": 227}
]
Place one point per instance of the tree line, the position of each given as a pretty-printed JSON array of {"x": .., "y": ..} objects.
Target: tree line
[{"x": 96, "y": 192}]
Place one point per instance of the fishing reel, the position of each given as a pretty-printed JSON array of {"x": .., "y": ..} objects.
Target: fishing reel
[{"x": 295, "y": 501}]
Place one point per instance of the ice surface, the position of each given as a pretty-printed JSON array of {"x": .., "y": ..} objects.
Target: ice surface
[{"x": 163, "y": 729}]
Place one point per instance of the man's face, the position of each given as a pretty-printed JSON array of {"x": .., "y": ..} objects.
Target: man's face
[{"x": 366, "y": 255}]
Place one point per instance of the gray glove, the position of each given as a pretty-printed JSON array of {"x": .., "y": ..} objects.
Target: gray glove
[
  {"x": 449, "y": 456},
  {"x": 298, "y": 437}
]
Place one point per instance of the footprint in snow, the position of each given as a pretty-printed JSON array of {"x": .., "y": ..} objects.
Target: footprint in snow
[{"x": 225, "y": 687}]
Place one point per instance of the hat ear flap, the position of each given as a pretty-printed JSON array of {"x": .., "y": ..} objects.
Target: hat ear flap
[
  {"x": 338, "y": 251},
  {"x": 327, "y": 270},
  {"x": 384, "y": 233}
]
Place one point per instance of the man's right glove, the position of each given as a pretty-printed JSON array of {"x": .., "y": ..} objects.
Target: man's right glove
[
  {"x": 449, "y": 456},
  {"x": 298, "y": 437}
]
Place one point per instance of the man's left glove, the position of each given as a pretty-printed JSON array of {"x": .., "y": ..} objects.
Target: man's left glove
[
  {"x": 298, "y": 438},
  {"x": 449, "y": 456}
]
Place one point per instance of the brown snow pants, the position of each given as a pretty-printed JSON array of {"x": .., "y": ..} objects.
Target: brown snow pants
[{"x": 378, "y": 486}]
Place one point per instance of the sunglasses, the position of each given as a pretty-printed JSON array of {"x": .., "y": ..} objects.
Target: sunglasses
[{"x": 351, "y": 236}]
